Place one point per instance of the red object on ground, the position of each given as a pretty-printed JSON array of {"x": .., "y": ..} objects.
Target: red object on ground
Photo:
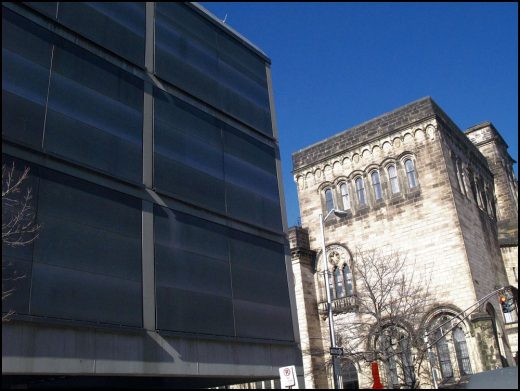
[{"x": 375, "y": 374}]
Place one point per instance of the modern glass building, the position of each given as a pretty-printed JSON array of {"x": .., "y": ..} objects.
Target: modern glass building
[{"x": 161, "y": 258}]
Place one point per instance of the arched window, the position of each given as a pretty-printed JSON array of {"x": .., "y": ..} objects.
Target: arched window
[
  {"x": 338, "y": 283},
  {"x": 345, "y": 197},
  {"x": 329, "y": 201},
  {"x": 443, "y": 354},
  {"x": 406, "y": 360},
  {"x": 394, "y": 343},
  {"x": 347, "y": 278},
  {"x": 349, "y": 375},
  {"x": 360, "y": 188},
  {"x": 376, "y": 183},
  {"x": 461, "y": 350},
  {"x": 394, "y": 181},
  {"x": 410, "y": 173}
]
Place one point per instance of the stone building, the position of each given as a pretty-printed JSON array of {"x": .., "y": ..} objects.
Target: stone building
[{"x": 412, "y": 181}]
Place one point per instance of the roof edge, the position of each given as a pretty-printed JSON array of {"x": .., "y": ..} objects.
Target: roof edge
[{"x": 216, "y": 21}]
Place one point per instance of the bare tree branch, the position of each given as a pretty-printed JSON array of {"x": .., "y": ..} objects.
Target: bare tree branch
[{"x": 18, "y": 224}]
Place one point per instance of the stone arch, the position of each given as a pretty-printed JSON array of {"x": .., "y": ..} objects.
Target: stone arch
[
  {"x": 396, "y": 142},
  {"x": 324, "y": 185},
  {"x": 430, "y": 131},
  {"x": 366, "y": 154},
  {"x": 377, "y": 152},
  {"x": 387, "y": 147},
  {"x": 337, "y": 169},
  {"x": 419, "y": 135},
  {"x": 355, "y": 158},
  {"x": 309, "y": 179},
  {"x": 300, "y": 180},
  {"x": 317, "y": 175},
  {"x": 327, "y": 172},
  {"x": 347, "y": 163},
  {"x": 408, "y": 139}
]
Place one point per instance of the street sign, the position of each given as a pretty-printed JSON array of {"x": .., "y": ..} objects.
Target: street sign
[
  {"x": 288, "y": 377},
  {"x": 336, "y": 351}
]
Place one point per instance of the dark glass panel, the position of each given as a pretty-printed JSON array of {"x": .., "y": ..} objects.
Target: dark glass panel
[
  {"x": 185, "y": 52},
  {"x": 192, "y": 274},
  {"x": 251, "y": 181},
  {"x": 255, "y": 320},
  {"x": 198, "y": 57},
  {"x": 47, "y": 8},
  {"x": 117, "y": 26},
  {"x": 260, "y": 300},
  {"x": 95, "y": 113},
  {"x": 188, "y": 153},
  {"x": 193, "y": 312},
  {"x": 72, "y": 199},
  {"x": 87, "y": 260},
  {"x": 75, "y": 245},
  {"x": 26, "y": 56},
  {"x": 72, "y": 294},
  {"x": 191, "y": 271}
]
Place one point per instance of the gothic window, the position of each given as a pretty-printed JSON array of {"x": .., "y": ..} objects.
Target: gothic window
[
  {"x": 484, "y": 198},
  {"x": 443, "y": 354},
  {"x": 339, "y": 276},
  {"x": 376, "y": 183},
  {"x": 345, "y": 197},
  {"x": 394, "y": 181},
  {"x": 347, "y": 278},
  {"x": 349, "y": 375},
  {"x": 338, "y": 283},
  {"x": 395, "y": 345},
  {"x": 472, "y": 186},
  {"x": 329, "y": 200},
  {"x": 406, "y": 360},
  {"x": 461, "y": 350},
  {"x": 360, "y": 189},
  {"x": 410, "y": 173},
  {"x": 450, "y": 343}
]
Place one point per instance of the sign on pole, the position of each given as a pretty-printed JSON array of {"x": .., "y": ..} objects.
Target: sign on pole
[
  {"x": 336, "y": 351},
  {"x": 288, "y": 377}
]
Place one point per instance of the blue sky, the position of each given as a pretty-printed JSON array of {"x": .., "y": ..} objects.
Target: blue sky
[{"x": 336, "y": 65}]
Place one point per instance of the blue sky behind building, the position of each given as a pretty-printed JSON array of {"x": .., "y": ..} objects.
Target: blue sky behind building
[{"x": 337, "y": 65}]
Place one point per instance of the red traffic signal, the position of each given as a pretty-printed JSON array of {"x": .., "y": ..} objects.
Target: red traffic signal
[{"x": 506, "y": 301}]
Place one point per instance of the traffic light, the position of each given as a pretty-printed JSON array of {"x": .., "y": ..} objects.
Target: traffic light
[{"x": 506, "y": 301}]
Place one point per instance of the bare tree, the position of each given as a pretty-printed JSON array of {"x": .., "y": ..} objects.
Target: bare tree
[
  {"x": 386, "y": 323},
  {"x": 18, "y": 223}
]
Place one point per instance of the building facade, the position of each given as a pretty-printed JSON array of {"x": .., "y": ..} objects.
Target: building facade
[
  {"x": 411, "y": 181},
  {"x": 149, "y": 132}
]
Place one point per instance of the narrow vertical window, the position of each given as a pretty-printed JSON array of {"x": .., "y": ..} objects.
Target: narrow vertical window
[
  {"x": 460, "y": 176},
  {"x": 329, "y": 202},
  {"x": 338, "y": 282},
  {"x": 394, "y": 182},
  {"x": 360, "y": 188},
  {"x": 345, "y": 196},
  {"x": 461, "y": 350},
  {"x": 443, "y": 354},
  {"x": 347, "y": 278},
  {"x": 376, "y": 183},
  {"x": 406, "y": 361},
  {"x": 473, "y": 186},
  {"x": 410, "y": 173}
]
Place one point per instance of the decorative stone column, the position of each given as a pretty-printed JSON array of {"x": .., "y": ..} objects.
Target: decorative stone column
[{"x": 307, "y": 307}]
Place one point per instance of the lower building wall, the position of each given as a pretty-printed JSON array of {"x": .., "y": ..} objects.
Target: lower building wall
[{"x": 39, "y": 349}]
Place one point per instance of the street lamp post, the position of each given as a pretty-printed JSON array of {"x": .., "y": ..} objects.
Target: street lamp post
[{"x": 327, "y": 290}]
